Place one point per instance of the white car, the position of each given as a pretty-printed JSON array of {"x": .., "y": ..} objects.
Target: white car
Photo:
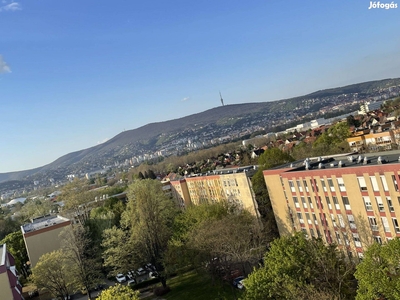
[
  {"x": 120, "y": 278},
  {"x": 141, "y": 271},
  {"x": 240, "y": 284}
]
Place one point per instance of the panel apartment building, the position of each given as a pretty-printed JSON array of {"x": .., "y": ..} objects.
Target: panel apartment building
[
  {"x": 229, "y": 185},
  {"x": 10, "y": 288},
  {"x": 41, "y": 236},
  {"x": 350, "y": 200}
]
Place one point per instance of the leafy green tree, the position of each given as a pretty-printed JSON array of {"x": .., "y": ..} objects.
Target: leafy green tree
[
  {"x": 81, "y": 256},
  {"x": 295, "y": 264},
  {"x": 147, "y": 223},
  {"x": 7, "y": 226},
  {"x": 235, "y": 239},
  {"x": 118, "y": 254},
  {"x": 273, "y": 157},
  {"x": 16, "y": 246},
  {"x": 378, "y": 273},
  {"x": 52, "y": 272},
  {"x": 119, "y": 292},
  {"x": 75, "y": 196},
  {"x": 334, "y": 137}
]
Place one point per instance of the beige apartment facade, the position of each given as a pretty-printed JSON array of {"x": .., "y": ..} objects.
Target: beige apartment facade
[
  {"x": 232, "y": 186},
  {"x": 42, "y": 236},
  {"x": 352, "y": 201}
]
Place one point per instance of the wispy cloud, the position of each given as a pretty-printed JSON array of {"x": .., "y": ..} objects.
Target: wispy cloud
[
  {"x": 4, "y": 68},
  {"x": 185, "y": 99},
  {"x": 103, "y": 141},
  {"x": 13, "y": 6}
]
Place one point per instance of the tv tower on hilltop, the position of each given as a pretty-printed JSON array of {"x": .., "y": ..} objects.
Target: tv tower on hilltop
[{"x": 222, "y": 100}]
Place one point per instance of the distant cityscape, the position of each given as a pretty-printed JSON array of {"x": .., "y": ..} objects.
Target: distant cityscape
[{"x": 309, "y": 113}]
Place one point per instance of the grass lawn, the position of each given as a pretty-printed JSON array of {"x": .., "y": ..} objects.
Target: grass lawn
[{"x": 195, "y": 286}]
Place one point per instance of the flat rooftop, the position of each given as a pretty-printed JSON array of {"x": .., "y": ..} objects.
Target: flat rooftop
[
  {"x": 42, "y": 222},
  {"x": 344, "y": 160}
]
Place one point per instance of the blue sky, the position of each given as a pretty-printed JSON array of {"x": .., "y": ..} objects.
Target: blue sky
[{"x": 76, "y": 73}]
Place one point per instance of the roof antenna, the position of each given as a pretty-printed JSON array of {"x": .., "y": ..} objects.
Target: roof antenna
[{"x": 222, "y": 100}]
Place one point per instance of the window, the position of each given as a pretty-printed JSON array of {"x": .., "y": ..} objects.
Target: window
[
  {"x": 357, "y": 240},
  {"x": 335, "y": 200},
  {"x": 340, "y": 182},
  {"x": 329, "y": 202},
  {"x": 374, "y": 183},
  {"x": 296, "y": 202},
  {"x": 378, "y": 239},
  {"x": 362, "y": 184},
  {"x": 352, "y": 221},
  {"x": 303, "y": 199},
  {"x": 323, "y": 185},
  {"x": 300, "y": 217},
  {"x": 389, "y": 203},
  {"x": 346, "y": 203},
  {"x": 324, "y": 221},
  {"x": 291, "y": 184},
  {"x": 315, "y": 219},
  {"x": 339, "y": 240},
  {"x": 396, "y": 225},
  {"x": 384, "y": 183},
  {"x": 310, "y": 202},
  {"x": 396, "y": 187},
  {"x": 385, "y": 224},
  {"x": 331, "y": 186},
  {"x": 319, "y": 203},
  {"x": 346, "y": 240},
  {"x": 312, "y": 232},
  {"x": 299, "y": 185},
  {"x": 341, "y": 222},
  {"x": 372, "y": 222},
  {"x": 305, "y": 232},
  {"x": 333, "y": 220},
  {"x": 305, "y": 185},
  {"x": 308, "y": 218},
  {"x": 379, "y": 203},
  {"x": 367, "y": 203}
]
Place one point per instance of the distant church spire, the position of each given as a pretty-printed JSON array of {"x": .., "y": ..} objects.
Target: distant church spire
[{"x": 222, "y": 100}]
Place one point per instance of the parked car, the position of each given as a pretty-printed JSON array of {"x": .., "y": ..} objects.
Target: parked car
[
  {"x": 120, "y": 278},
  {"x": 131, "y": 282},
  {"x": 153, "y": 274},
  {"x": 240, "y": 284},
  {"x": 141, "y": 271},
  {"x": 237, "y": 280}
]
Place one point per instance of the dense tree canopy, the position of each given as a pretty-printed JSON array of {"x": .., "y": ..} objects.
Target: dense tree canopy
[
  {"x": 119, "y": 292},
  {"x": 378, "y": 274},
  {"x": 16, "y": 246},
  {"x": 146, "y": 228},
  {"x": 295, "y": 264},
  {"x": 53, "y": 273}
]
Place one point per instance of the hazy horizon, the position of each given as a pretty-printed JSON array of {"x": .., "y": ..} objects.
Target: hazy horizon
[{"x": 75, "y": 74}]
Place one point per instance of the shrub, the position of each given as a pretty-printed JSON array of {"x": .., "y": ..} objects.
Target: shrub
[{"x": 160, "y": 291}]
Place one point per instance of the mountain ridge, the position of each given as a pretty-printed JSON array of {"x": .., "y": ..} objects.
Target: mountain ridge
[{"x": 150, "y": 136}]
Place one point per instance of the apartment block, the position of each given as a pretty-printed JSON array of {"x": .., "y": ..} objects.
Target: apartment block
[
  {"x": 350, "y": 200},
  {"x": 42, "y": 236},
  {"x": 10, "y": 288},
  {"x": 229, "y": 185}
]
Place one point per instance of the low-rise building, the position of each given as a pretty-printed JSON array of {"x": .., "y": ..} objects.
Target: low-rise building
[{"x": 42, "y": 236}]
